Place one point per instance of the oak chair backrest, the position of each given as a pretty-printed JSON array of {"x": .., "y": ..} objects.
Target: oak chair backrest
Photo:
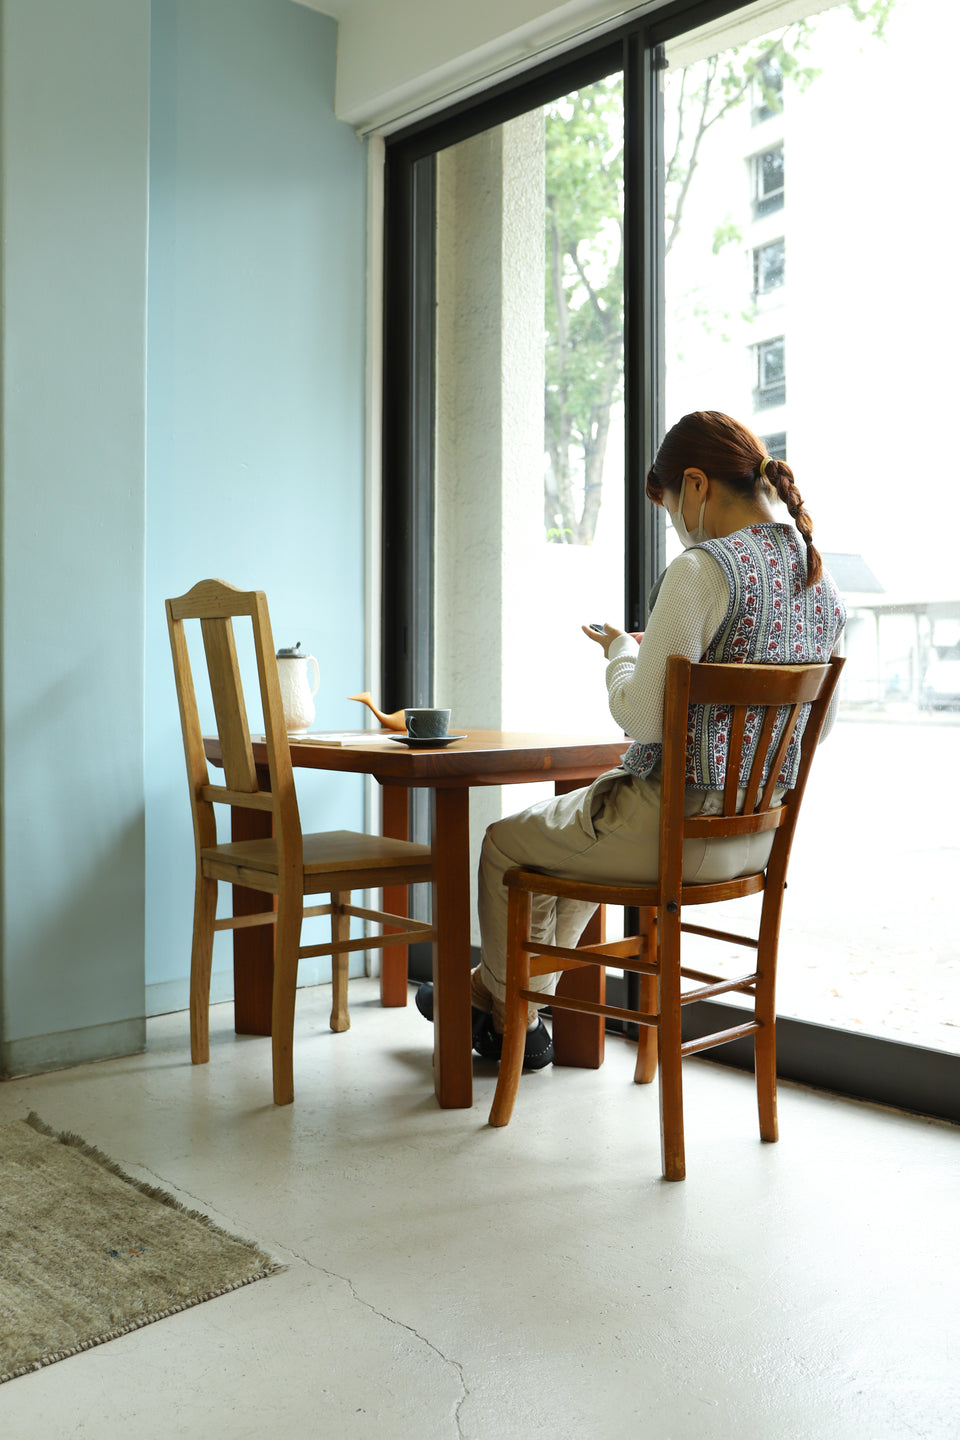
[
  {"x": 778, "y": 698},
  {"x": 216, "y": 605}
]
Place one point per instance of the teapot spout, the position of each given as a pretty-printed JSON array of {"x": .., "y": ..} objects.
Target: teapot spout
[{"x": 389, "y": 722}]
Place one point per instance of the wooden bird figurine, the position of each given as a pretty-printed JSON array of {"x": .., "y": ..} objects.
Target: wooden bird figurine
[{"x": 389, "y": 722}]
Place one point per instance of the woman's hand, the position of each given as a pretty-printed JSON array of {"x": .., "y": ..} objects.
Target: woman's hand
[{"x": 603, "y": 637}]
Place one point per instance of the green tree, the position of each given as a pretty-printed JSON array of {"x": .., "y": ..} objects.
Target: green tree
[
  {"x": 708, "y": 90},
  {"x": 584, "y": 302},
  {"x": 584, "y": 243}
]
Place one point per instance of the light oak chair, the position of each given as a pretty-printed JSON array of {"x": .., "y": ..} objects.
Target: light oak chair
[
  {"x": 290, "y": 864},
  {"x": 780, "y": 695}
]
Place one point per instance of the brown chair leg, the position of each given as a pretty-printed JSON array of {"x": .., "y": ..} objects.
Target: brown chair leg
[
  {"x": 765, "y": 1052},
  {"x": 340, "y": 964},
  {"x": 201, "y": 963},
  {"x": 286, "y": 955},
  {"x": 515, "y": 1009},
  {"x": 669, "y": 1041}
]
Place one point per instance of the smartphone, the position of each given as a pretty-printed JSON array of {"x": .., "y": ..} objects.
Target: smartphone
[{"x": 595, "y": 626}]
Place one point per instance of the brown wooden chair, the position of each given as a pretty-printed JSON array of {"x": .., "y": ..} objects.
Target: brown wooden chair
[
  {"x": 290, "y": 864},
  {"x": 743, "y": 690}
]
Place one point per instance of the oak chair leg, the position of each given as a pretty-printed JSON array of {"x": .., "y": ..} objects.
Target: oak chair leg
[
  {"x": 201, "y": 964},
  {"x": 515, "y": 1009},
  {"x": 286, "y": 955},
  {"x": 765, "y": 1053},
  {"x": 339, "y": 964},
  {"x": 670, "y": 1057}
]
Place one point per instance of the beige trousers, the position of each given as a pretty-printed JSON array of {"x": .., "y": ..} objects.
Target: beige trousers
[{"x": 608, "y": 832}]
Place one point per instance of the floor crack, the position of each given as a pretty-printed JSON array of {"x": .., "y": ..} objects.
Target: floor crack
[
  {"x": 402, "y": 1324},
  {"x": 344, "y": 1279}
]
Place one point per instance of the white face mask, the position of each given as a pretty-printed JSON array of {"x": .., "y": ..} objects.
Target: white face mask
[{"x": 683, "y": 534}]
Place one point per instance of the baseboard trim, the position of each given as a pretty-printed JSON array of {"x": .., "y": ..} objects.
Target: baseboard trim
[{"x": 39, "y": 1053}]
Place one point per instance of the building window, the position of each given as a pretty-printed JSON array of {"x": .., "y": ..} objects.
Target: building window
[
  {"x": 775, "y": 445},
  {"x": 771, "y": 374},
  {"x": 768, "y": 91},
  {"x": 768, "y": 181},
  {"x": 768, "y": 267}
]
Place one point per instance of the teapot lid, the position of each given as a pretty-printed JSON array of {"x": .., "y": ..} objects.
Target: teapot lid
[{"x": 291, "y": 652}]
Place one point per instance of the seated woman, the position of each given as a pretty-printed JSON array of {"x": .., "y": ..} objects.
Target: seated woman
[{"x": 748, "y": 589}]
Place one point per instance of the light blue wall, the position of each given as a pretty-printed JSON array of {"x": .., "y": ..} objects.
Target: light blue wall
[
  {"x": 255, "y": 392},
  {"x": 74, "y": 218},
  {"x": 219, "y": 435}
]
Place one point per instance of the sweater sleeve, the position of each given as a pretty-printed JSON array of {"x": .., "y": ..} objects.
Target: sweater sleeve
[{"x": 689, "y": 610}]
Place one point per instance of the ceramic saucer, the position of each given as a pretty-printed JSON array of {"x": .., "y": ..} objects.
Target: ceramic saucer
[{"x": 428, "y": 742}]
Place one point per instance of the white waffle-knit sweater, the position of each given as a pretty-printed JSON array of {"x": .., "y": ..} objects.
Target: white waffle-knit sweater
[{"x": 692, "y": 605}]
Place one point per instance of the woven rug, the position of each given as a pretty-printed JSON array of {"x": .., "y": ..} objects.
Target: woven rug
[{"x": 87, "y": 1253}]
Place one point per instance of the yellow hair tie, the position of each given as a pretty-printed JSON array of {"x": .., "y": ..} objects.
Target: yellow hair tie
[{"x": 763, "y": 466}]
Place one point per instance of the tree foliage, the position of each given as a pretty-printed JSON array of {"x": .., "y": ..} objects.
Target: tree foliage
[
  {"x": 584, "y": 242},
  {"x": 584, "y": 302}
]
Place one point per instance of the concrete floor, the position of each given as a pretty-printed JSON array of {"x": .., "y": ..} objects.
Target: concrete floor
[{"x": 450, "y": 1282}]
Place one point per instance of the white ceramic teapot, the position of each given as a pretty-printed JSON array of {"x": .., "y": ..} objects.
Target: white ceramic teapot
[{"x": 296, "y": 693}]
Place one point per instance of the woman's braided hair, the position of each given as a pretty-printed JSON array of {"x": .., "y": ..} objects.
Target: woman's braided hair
[{"x": 727, "y": 451}]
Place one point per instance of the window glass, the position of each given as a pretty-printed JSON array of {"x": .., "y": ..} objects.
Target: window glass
[
  {"x": 529, "y": 429},
  {"x": 769, "y": 267},
  {"x": 768, "y": 181},
  {"x": 868, "y": 939}
]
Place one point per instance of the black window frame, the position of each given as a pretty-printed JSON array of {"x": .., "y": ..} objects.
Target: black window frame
[{"x": 868, "y": 1067}]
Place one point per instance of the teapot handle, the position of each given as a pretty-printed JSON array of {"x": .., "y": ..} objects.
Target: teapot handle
[{"x": 312, "y": 660}]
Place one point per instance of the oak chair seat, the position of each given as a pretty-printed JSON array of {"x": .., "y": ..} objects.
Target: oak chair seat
[
  {"x": 325, "y": 853},
  {"x": 768, "y": 706},
  {"x": 288, "y": 864}
]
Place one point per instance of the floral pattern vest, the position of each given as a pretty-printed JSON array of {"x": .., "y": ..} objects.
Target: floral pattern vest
[{"x": 772, "y": 618}]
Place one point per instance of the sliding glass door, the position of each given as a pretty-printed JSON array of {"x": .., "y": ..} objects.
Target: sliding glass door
[
  {"x": 804, "y": 293},
  {"x": 716, "y": 208}
]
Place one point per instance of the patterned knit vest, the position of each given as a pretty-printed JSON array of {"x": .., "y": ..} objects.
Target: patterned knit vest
[{"x": 772, "y": 618}]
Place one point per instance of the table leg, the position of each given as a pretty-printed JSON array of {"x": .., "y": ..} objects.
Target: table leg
[
  {"x": 452, "y": 1047},
  {"x": 395, "y": 802},
  {"x": 252, "y": 948},
  {"x": 577, "y": 1038}
]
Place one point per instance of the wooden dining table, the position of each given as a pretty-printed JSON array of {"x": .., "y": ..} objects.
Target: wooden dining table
[{"x": 484, "y": 757}]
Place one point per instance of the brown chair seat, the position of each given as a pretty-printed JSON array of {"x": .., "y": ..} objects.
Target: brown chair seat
[{"x": 326, "y": 852}]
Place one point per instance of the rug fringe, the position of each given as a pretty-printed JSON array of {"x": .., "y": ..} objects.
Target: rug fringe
[
  {"x": 153, "y": 1192},
  {"x": 272, "y": 1268}
]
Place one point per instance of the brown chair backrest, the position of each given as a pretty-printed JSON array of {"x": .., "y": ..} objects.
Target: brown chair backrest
[
  {"x": 216, "y": 604},
  {"x": 786, "y": 695}
]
